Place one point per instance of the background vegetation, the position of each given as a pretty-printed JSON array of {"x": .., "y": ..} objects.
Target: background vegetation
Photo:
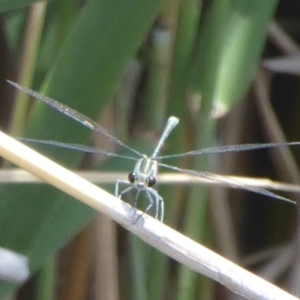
[{"x": 130, "y": 64}]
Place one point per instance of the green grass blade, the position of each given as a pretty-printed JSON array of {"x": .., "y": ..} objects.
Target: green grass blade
[
  {"x": 85, "y": 76},
  {"x": 245, "y": 40}
]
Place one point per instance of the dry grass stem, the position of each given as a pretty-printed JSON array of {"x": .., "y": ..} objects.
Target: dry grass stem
[{"x": 158, "y": 235}]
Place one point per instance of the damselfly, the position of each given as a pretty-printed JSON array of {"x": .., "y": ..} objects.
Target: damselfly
[{"x": 142, "y": 179}]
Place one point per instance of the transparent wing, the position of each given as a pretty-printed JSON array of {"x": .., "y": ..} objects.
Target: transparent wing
[
  {"x": 76, "y": 147},
  {"x": 231, "y": 148},
  {"x": 228, "y": 182},
  {"x": 75, "y": 115}
]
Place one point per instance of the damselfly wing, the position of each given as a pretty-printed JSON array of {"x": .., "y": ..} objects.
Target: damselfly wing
[{"x": 143, "y": 176}]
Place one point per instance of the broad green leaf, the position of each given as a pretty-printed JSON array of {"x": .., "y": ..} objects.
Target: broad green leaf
[{"x": 85, "y": 76}]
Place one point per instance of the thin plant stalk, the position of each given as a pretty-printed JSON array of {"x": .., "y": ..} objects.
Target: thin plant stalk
[{"x": 153, "y": 232}]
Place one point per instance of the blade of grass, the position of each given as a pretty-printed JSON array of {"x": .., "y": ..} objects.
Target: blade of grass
[
  {"x": 26, "y": 71},
  {"x": 86, "y": 74},
  {"x": 203, "y": 82},
  {"x": 47, "y": 281},
  {"x": 245, "y": 38}
]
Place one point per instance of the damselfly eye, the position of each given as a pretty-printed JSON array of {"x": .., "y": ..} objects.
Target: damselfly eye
[
  {"x": 131, "y": 177},
  {"x": 151, "y": 181}
]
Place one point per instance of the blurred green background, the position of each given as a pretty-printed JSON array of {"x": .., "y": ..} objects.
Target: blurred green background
[{"x": 227, "y": 68}]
